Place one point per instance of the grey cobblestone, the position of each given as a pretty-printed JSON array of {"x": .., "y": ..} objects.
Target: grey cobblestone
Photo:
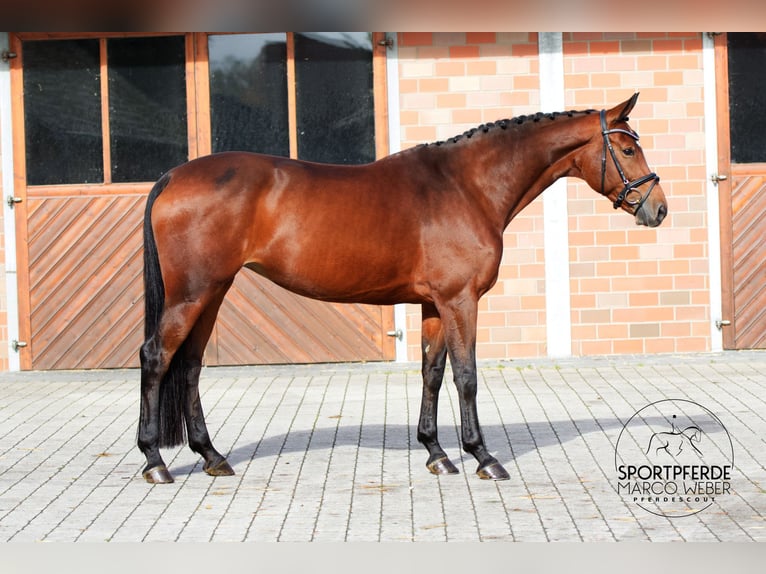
[{"x": 328, "y": 453}]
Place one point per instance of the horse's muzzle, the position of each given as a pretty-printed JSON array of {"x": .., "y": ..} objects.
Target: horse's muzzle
[{"x": 651, "y": 215}]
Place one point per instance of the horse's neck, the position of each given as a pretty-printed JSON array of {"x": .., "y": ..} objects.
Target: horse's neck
[{"x": 523, "y": 162}]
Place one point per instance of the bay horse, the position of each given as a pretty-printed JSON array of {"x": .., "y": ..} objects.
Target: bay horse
[{"x": 421, "y": 226}]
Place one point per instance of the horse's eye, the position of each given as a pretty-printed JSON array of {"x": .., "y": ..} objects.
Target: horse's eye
[{"x": 629, "y": 152}]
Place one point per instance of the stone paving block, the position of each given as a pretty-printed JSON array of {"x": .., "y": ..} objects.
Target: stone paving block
[{"x": 329, "y": 453}]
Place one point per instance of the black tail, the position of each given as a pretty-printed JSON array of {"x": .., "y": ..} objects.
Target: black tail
[{"x": 172, "y": 431}]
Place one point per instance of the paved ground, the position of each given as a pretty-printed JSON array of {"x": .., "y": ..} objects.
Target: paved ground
[{"x": 328, "y": 453}]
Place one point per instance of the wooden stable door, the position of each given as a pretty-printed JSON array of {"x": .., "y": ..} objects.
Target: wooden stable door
[
  {"x": 98, "y": 118},
  {"x": 741, "y": 97}
]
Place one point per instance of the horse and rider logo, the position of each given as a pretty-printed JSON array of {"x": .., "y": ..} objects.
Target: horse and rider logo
[
  {"x": 674, "y": 458},
  {"x": 675, "y": 442}
]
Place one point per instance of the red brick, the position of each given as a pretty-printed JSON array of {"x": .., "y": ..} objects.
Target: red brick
[
  {"x": 449, "y": 68},
  {"x": 482, "y": 68},
  {"x": 628, "y": 346},
  {"x": 604, "y": 47},
  {"x": 573, "y": 49},
  {"x": 521, "y": 50},
  {"x": 464, "y": 51},
  {"x": 659, "y": 345},
  {"x": 433, "y": 84},
  {"x": 668, "y": 45},
  {"x": 480, "y": 37},
  {"x": 691, "y": 345},
  {"x": 596, "y": 347},
  {"x": 415, "y": 38}
]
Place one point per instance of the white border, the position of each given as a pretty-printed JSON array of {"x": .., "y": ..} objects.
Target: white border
[
  {"x": 713, "y": 214},
  {"x": 9, "y": 218},
  {"x": 395, "y": 145},
  {"x": 558, "y": 318}
]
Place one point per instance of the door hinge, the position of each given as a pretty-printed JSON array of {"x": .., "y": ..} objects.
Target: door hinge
[
  {"x": 721, "y": 323},
  {"x": 8, "y": 55},
  {"x": 397, "y": 334},
  {"x": 716, "y": 178},
  {"x": 387, "y": 42},
  {"x": 12, "y": 201},
  {"x": 16, "y": 345}
]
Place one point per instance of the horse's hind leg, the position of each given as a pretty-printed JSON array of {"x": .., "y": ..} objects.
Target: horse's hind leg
[
  {"x": 196, "y": 429},
  {"x": 160, "y": 421},
  {"x": 434, "y": 350},
  {"x": 171, "y": 359},
  {"x": 153, "y": 369}
]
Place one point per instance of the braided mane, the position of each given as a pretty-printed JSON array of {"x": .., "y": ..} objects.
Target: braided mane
[{"x": 506, "y": 123}]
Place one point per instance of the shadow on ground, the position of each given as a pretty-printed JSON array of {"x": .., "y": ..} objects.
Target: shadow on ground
[{"x": 506, "y": 442}]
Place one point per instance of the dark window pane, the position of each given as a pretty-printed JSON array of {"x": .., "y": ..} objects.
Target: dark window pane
[
  {"x": 747, "y": 96},
  {"x": 248, "y": 93},
  {"x": 335, "y": 110},
  {"x": 62, "y": 112},
  {"x": 147, "y": 106}
]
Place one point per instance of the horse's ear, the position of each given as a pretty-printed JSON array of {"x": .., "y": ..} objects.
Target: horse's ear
[{"x": 620, "y": 112}]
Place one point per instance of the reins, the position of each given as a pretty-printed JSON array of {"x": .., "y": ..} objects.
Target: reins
[{"x": 628, "y": 186}]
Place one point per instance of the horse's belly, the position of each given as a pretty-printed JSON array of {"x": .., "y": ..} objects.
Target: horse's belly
[{"x": 341, "y": 280}]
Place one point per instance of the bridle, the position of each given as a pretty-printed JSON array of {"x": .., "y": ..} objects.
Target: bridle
[{"x": 628, "y": 186}]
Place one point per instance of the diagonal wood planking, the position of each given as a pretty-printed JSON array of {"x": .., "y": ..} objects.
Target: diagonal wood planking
[
  {"x": 86, "y": 290},
  {"x": 86, "y": 296},
  {"x": 260, "y": 322},
  {"x": 749, "y": 261}
]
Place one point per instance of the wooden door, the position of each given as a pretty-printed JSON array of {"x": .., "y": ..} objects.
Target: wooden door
[
  {"x": 741, "y": 77},
  {"x": 96, "y": 120}
]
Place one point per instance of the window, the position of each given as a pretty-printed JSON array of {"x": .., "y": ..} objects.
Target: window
[
  {"x": 147, "y": 107},
  {"x": 71, "y": 139},
  {"x": 121, "y": 109},
  {"x": 747, "y": 96},
  {"x": 248, "y": 93},
  {"x": 308, "y": 96},
  {"x": 334, "y": 102},
  {"x": 62, "y": 120}
]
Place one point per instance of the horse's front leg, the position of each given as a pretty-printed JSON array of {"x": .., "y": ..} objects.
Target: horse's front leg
[
  {"x": 459, "y": 323},
  {"x": 434, "y": 348}
]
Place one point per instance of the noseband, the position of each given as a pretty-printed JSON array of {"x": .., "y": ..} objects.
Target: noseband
[{"x": 628, "y": 186}]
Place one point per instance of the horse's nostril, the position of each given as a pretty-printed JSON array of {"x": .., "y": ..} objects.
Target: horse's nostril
[{"x": 662, "y": 211}]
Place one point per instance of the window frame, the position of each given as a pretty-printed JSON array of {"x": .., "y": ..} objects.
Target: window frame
[
  {"x": 379, "y": 83},
  {"x": 199, "y": 136}
]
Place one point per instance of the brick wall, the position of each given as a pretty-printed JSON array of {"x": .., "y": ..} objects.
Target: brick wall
[
  {"x": 639, "y": 290},
  {"x": 451, "y": 82},
  {"x": 633, "y": 289}
]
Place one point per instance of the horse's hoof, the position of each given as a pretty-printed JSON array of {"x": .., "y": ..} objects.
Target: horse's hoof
[
  {"x": 221, "y": 469},
  {"x": 442, "y": 466},
  {"x": 493, "y": 471},
  {"x": 158, "y": 475}
]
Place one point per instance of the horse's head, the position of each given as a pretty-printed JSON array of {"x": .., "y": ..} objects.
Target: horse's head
[{"x": 614, "y": 165}]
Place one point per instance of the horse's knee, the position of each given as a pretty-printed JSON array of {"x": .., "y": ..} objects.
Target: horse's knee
[{"x": 467, "y": 389}]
